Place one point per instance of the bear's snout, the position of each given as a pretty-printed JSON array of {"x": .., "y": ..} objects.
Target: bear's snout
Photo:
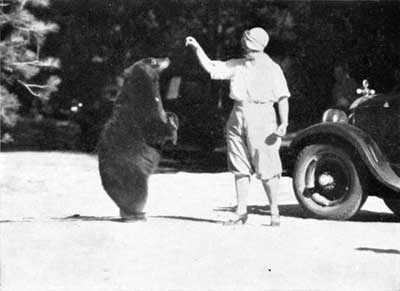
[{"x": 164, "y": 63}]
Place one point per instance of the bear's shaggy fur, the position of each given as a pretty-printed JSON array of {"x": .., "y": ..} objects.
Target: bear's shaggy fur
[{"x": 127, "y": 147}]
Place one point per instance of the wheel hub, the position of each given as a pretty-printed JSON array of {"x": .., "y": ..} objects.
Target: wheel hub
[{"x": 326, "y": 181}]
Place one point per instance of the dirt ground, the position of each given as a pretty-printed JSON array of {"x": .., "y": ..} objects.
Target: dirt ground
[{"x": 60, "y": 231}]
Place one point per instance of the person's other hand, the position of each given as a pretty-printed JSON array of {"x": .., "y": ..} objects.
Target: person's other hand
[
  {"x": 191, "y": 41},
  {"x": 281, "y": 130}
]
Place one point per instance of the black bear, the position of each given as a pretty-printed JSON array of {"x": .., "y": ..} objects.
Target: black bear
[{"x": 128, "y": 145}]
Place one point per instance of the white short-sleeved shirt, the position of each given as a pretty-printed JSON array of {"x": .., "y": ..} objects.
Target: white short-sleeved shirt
[{"x": 255, "y": 78}]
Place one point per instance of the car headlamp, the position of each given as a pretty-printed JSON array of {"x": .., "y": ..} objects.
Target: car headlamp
[{"x": 334, "y": 115}]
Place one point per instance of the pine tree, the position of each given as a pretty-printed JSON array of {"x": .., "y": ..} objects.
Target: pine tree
[{"x": 22, "y": 36}]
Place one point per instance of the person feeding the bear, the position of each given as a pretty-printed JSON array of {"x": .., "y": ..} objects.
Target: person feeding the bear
[{"x": 253, "y": 132}]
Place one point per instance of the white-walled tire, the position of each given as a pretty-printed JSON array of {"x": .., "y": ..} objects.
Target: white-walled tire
[{"x": 326, "y": 182}]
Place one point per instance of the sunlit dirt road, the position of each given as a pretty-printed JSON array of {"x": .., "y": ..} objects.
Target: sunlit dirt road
[{"x": 60, "y": 231}]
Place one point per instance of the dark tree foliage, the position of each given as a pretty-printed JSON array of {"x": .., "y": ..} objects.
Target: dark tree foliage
[
  {"x": 24, "y": 70},
  {"x": 98, "y": 39}
]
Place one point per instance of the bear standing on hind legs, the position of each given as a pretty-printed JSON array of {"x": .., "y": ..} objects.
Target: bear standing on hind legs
[{"x": 127, "y": 147}]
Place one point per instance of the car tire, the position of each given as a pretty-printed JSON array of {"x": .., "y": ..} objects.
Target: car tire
[
  {"x": 394, "y": 205},
  {"x": 326, "y": 182}
]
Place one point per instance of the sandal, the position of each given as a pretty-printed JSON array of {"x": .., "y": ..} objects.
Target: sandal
[{"x": 242, "y": 218}]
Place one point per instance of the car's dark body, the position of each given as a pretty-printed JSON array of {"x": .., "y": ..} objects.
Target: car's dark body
[
  {"x": 370, "y": 139},
  {"x": 380, "y": 118}
]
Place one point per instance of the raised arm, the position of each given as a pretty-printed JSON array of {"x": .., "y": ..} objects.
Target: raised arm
[{"x": 204, "y": 60}]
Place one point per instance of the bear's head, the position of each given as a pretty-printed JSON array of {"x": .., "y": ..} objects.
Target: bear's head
[
  {"x": 152, "y": 66},
  {"x": 141, "y": 90}
]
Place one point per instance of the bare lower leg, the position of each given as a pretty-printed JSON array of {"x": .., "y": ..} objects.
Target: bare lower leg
[
  {"x": 242, "y": 190},
  {"x": 271, "y": 189}
]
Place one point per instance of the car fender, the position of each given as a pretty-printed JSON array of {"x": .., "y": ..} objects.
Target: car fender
[{"x": 369, "y": 151}]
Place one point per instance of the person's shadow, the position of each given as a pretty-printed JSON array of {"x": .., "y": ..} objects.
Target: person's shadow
[
  {"x": 291, "y": 210},
  {"x": 295, "y": 210}
]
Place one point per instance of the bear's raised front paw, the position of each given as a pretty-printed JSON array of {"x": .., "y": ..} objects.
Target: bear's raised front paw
[{"x": 172, "y": 120}]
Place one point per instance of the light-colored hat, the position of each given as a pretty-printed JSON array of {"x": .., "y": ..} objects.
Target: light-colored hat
[{"x": 255, "y": 39}]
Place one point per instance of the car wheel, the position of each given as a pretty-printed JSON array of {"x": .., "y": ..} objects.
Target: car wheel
[
  {"x": 326, "y": 183},
  {"x": 394, "y": 205}
]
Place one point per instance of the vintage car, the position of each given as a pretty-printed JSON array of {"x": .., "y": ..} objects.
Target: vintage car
[{"x": 348, "y": 157}]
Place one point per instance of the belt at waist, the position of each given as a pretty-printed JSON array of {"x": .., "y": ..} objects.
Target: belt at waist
[{"x": 252, "y": 102}]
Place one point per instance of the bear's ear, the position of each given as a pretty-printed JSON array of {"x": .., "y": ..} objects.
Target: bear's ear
[{"x": 128, "y": 71}]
